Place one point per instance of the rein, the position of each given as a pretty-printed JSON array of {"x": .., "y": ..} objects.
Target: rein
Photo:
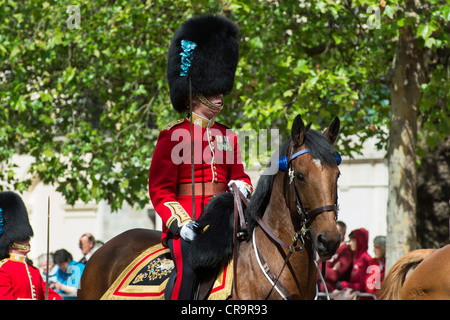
[
  {"x": 241, "y": 235},
  {"x": 238, "y": 215}
]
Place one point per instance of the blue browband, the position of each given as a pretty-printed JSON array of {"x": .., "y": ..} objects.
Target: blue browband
[
  {"x": 337, "y": 157},
  {"x": 283, "y": 163}
]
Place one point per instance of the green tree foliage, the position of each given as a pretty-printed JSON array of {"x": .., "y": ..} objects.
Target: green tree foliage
[{"x": 86, "y": 101}]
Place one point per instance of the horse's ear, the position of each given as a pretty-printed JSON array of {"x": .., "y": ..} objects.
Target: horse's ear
[
  {"x": 298, "y": 130},
  {"x": 333, "y": 130}
]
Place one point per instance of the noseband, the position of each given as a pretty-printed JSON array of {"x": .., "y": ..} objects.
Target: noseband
[{"x": 285, "y": 164}]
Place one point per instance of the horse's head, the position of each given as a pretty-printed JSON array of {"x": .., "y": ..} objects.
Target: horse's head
[{"x": 313, "y": 174}]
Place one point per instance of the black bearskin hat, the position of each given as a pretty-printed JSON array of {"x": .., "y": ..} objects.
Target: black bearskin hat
[
  {"x": 14, "y": 223},
  {"x": 209, "y": 57}
]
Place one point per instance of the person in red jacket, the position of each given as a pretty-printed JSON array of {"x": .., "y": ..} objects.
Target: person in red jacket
[
  {"x": 359, "y": 242},
  {"x": 339, "y": 267},
  {"x": 18, "y": 278},
  {"x": 377, "y": 266},
  {"x": 202, "y": 61}
]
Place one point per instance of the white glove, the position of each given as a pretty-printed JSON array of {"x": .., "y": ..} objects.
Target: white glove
[
  {"x": 241, "y": 186},
  {"x": 187, "y": 231}
]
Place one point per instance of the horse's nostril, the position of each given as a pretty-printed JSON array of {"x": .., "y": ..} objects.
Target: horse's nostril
[
  {"x": 322, "y": 242},
  {"x": 322, "y": 239},
  {"x": 325, "y": 246}
]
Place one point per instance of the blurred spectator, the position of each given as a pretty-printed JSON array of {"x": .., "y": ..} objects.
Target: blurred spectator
[
  {"x": 68, "y": 274},
  {"x": 376, "y": 268},
  {"x": 52, "y": 268},
  {"x": 87, "y": 243},
  {"x": 359, "y": 242},
  {"x": 339, "y": 267},
  {"x": 98, "y": 244}
]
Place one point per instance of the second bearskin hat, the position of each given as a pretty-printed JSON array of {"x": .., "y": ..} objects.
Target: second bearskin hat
[
  {"x": 14, "y": 222},
  {"x": 205, "y": 49}
]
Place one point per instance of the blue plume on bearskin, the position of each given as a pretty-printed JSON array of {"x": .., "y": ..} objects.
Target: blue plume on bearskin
[
  {"x": 1, "y": 221},
  {"x": 186, "y": 56}
]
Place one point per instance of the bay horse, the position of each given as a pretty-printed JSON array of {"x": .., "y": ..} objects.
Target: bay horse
[
  {"x": 291, "y": 223},
  {"x": 422, "y": 274}
]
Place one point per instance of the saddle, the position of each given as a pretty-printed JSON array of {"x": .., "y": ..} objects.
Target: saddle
[
  {"x": 214, "y": 253},
  {"x": 147, "y": 276}
]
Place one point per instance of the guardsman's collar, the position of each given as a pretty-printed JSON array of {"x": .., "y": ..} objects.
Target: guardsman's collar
[
  {"x": 201, "y": 121},
  {"x": 17, "y": 257}
]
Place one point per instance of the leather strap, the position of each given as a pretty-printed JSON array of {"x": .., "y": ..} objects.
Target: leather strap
[
  {"x": 276, "y": 283},
  {"x": 238, "y": 196},
  {"x": 201, "y": 189},
  {"x": 291, "y": 248},
  {"x": 238, "y": 219},
  {"x": 312, "y": 214}
]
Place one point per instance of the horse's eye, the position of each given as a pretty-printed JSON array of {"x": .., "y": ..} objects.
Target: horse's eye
[{"x": 300, "y": 176}]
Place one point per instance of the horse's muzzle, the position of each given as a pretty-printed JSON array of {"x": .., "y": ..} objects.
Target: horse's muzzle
[{"x": 326, "y": 244}]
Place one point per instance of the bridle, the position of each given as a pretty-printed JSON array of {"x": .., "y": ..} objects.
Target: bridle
[
  {"x": 306, "y": 217},
  {"x": 285, "y": 164}
]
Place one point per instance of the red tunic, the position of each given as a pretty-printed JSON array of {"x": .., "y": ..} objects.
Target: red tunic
[
  {"x": 217, "y": 160},
  {"x": 19, "y": 280}
]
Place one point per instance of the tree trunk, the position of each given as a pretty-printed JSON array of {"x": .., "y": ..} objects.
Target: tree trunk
[{"x": 405, "y": 80}]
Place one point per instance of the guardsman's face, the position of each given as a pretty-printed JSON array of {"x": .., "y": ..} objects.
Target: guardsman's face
[
  {"x": 20, "y": 247},
  {"x": 203, "y": 110}
]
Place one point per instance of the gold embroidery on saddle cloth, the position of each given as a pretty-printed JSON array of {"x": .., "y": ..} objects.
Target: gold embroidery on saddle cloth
[
  {"x": 157, "y": 269},
  {"x": 123, "y": 287},
  {"x": 222, "y": 288},
  {"x": 130, "y": 283}
]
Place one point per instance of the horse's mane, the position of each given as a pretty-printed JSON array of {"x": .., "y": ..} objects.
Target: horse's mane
[{"x": 320, "y": 148}]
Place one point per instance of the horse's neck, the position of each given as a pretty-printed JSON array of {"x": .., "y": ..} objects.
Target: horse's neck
[
  {"x": 279, "y": 219},
  {"x": 277, "y": 215}
]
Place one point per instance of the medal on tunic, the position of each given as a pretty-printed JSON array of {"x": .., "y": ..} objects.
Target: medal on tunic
[{"x": 223, "y": 143}]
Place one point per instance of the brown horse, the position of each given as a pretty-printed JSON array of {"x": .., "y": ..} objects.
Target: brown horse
[
  {"x": 291, "y": 222},
  {"x": 422, "y": 274}
]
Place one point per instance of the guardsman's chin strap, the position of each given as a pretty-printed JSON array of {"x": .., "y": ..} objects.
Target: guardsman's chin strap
[
  {"x": 19, "y": 246},
  {"x": 208, "y": 103}
]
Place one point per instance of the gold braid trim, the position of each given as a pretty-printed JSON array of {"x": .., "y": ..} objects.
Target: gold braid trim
[{"x": 208, "y": 103}]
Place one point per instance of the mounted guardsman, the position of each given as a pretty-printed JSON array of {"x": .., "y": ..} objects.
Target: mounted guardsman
[
  {"x": 18, "y": 278},
  {"x": 187, "y": 170}
]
